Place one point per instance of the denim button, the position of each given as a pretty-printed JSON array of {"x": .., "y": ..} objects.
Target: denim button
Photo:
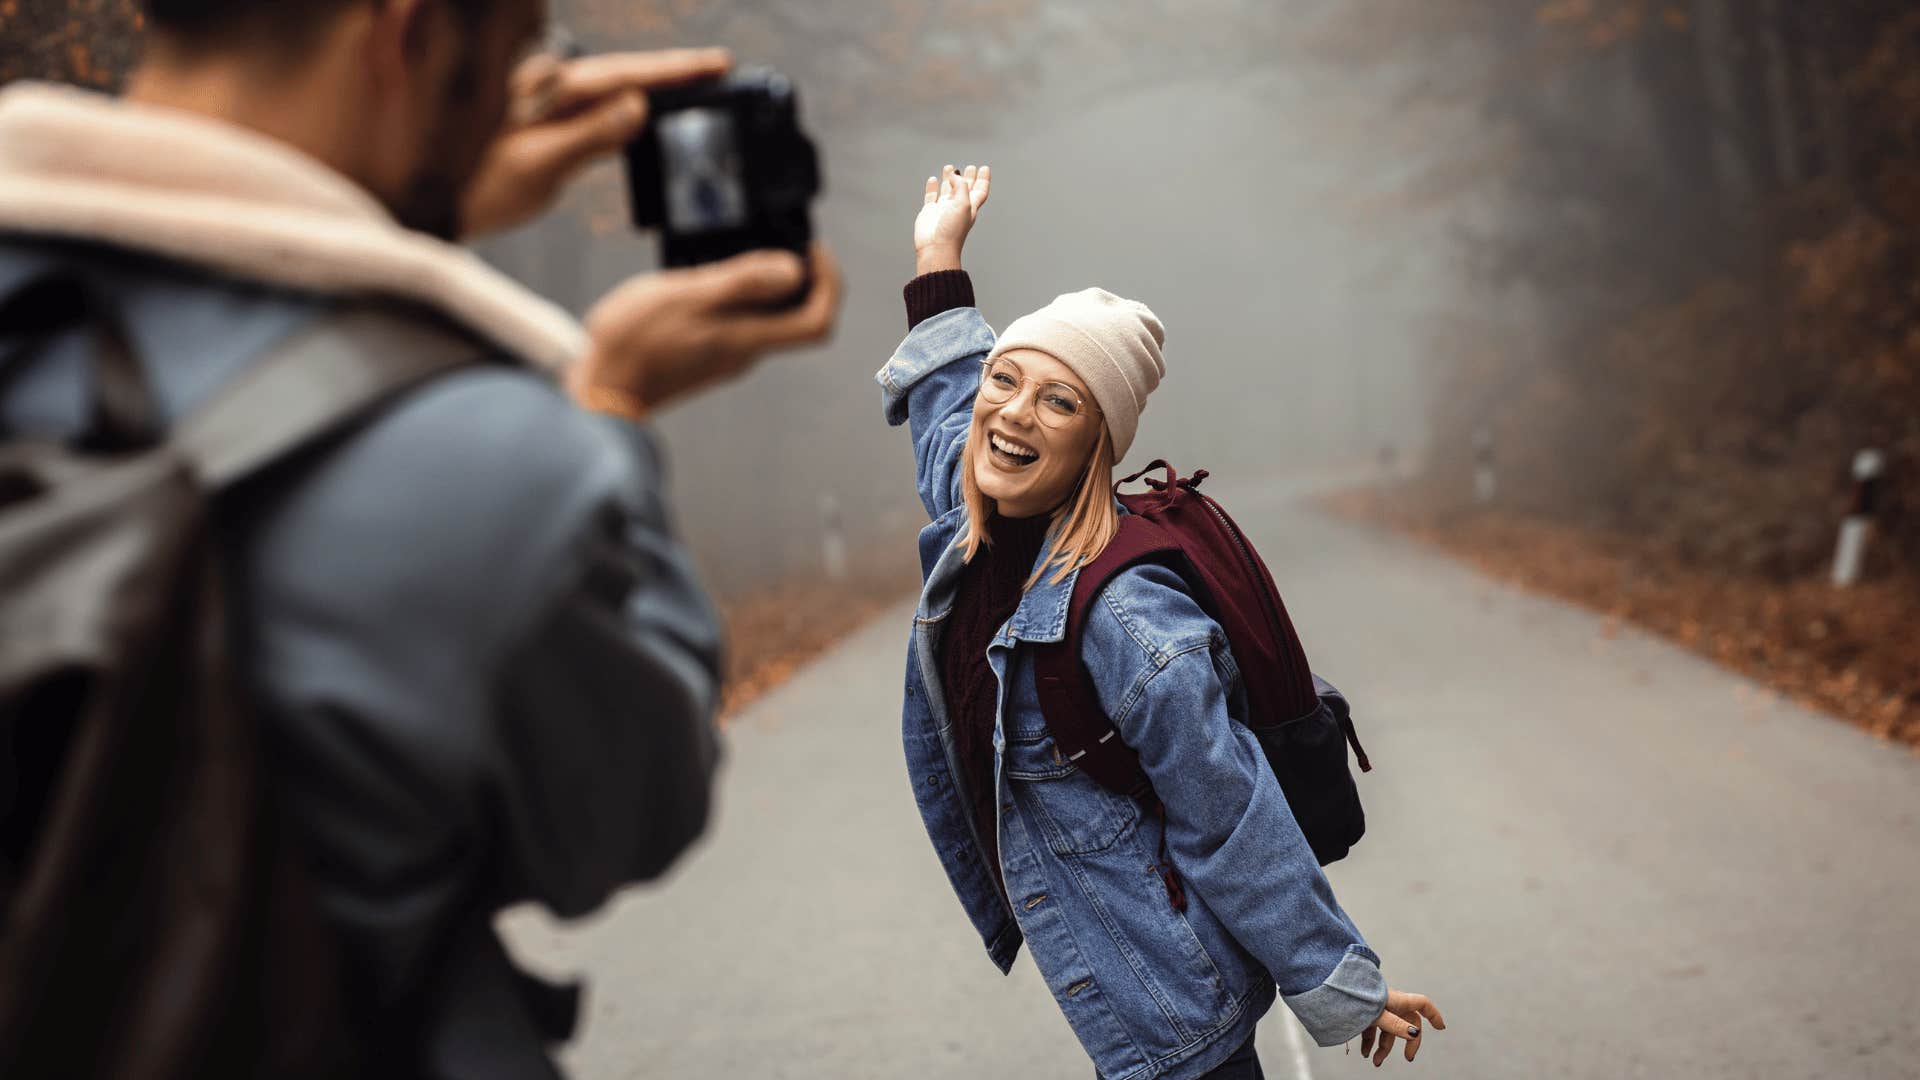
[{"x": 933, "y": 779}]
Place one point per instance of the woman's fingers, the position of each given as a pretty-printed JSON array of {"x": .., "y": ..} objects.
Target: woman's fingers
[
  {"x": 947, "y": 183},
  {"x": 980, "y": 187},
  {"x": 1392, "y": 1026},
  {"x": 1425, "y": 1007},
  {"x": 1366, "y": 1043},
  {"x": 933, "y": 191}
]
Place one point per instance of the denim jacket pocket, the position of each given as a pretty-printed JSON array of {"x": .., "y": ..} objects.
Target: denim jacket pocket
[{"x": 1077, "y": 815}]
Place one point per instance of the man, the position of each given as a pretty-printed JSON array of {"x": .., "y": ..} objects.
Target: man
[{"x": 486, "y": 671}]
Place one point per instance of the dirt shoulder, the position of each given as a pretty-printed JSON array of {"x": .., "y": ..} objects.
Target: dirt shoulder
[
  {"x": 1852, "y": 652},
  {"x": 775, "y": 631}
]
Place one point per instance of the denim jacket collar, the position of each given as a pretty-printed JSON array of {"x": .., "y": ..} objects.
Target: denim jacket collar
[{"x": 1042, "y": 614}]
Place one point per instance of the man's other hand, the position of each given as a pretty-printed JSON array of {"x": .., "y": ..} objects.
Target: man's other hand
[
  {"x": 662, "y": 336},
  {"x": 566, "y": 114}
]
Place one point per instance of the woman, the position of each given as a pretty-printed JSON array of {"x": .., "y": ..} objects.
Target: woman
[{"x": 1015, "y": 442}]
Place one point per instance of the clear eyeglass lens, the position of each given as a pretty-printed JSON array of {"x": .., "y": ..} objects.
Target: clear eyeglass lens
[{"x": 1056, "y": 402}]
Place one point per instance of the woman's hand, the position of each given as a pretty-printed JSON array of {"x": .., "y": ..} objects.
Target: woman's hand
[
  {"x": 1400, "y": 1019},
  {"x": 953, "y": 203}
]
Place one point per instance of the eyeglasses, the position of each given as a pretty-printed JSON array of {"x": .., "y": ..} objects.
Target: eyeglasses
[{"x": 1056, "y": 403}]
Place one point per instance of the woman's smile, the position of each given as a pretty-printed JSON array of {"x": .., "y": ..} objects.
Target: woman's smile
[{"x": 1011, "y": 454}]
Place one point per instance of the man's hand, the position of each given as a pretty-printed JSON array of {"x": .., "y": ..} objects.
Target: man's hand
[
  {"x": 1400, "y": 1019},
  {"x": 662, "y": 336},
  {"x": 564, "y": 115},
  {"x": 947, "y": 214}
]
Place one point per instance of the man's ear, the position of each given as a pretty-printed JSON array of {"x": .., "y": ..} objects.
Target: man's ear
[{"x": 400, "y": 42}]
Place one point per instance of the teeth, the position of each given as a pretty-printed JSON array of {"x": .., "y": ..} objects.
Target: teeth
[{"x": 1006, "y": 447}]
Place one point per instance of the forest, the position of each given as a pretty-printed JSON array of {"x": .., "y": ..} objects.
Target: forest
[{"x": 1682, "y": 241}]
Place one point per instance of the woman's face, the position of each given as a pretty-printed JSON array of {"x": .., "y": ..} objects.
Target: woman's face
[{"x": 1025, "y": 456}]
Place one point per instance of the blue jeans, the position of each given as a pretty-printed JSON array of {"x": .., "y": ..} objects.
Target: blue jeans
[{"x": 1243, "y": 1065}]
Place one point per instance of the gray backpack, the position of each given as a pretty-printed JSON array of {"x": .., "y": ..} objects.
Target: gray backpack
[{"x": 154, "y": 917}]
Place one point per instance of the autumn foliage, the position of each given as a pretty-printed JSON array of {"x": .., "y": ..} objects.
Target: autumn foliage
[
  {"x": 90, "y": 42},
  {"x": 1694, "y": 231},
  {"x": 1712, "y": 210}
]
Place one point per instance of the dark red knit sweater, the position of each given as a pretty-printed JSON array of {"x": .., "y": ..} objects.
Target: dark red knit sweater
[{"x": 989, "y": 592}]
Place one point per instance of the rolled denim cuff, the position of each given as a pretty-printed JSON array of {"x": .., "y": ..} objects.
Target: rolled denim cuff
[
  {"x": 953, "y": 335},
  {"x": 1347, "y": 1002}
]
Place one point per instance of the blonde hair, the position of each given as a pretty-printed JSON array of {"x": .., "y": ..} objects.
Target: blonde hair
[{"x": 1082, "y": 526}]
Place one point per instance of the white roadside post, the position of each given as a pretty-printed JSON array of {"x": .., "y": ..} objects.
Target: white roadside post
[
  {"x": 1483, "y": 479},
  {"x": 1851, "y": 551},
  {"x": 833, "y": 538}
]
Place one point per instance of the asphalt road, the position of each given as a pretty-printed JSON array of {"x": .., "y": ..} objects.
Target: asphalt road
[{"x": 1602, "y": 856}]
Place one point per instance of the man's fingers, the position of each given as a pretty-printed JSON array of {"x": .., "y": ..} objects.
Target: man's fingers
[
  {"x": 808, "y": 322},
  {"x": 757, "y": 277},
  {"x": 588, "y": 78},
  {"x": 536, "y": 75},
  {"x": 563, "y": 145}
]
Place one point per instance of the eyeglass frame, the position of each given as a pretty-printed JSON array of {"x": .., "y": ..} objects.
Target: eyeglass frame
[{"x": 986, "y": 364}]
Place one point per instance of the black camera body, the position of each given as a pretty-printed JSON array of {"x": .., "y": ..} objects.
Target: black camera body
[{"x": 723, "y": 167}]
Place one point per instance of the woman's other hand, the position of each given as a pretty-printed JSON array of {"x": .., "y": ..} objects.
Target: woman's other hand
[
  {"x": 1401, "y": 1019},
  {"x": 953, "y": 202}
]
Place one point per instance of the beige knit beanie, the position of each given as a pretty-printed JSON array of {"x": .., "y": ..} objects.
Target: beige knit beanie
[{"x": 1112, "y": 344}]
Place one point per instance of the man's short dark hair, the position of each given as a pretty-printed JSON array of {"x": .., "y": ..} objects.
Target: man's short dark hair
[{"x": 281, "y": 21}]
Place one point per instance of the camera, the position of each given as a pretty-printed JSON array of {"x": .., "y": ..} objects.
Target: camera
[{"x": 723, "y": 167}]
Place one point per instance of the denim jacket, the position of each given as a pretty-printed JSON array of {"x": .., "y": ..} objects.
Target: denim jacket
[{"x": 1150, "y": 991}]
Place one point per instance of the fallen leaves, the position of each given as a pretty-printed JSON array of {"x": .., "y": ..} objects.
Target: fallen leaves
[{"x": 775, "y": 631}]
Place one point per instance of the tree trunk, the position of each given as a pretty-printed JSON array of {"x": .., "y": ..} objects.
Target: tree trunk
[
  {"x": 1780, "y": 97},
  {"x": 1830, "y": 119},
  {"x": 1718, "y": 68}
]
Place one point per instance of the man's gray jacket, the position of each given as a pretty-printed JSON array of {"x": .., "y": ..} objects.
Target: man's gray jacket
[{"x": 486, "y": 667}]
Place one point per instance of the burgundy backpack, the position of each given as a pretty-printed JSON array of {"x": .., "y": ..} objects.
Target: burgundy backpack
[{"x": 1304, "y": 731}]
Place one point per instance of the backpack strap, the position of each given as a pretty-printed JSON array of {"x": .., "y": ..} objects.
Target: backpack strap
[
  {"x": 1080, "y": 727},
  {"x": 319, "y": 378},
  {"x": 121, "y": 412}
]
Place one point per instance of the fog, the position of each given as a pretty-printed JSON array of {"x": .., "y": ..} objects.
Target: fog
[{"x": 1212, "y": 191}]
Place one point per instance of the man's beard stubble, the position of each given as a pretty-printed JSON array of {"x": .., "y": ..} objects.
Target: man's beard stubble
[{"x": 454, "y": 149}]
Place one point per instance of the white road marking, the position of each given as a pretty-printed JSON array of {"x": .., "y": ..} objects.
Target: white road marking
[{"x": 1296, "y": 1046}]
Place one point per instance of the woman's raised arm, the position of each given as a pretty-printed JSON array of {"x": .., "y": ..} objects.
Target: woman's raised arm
[{"x": 933, "y": 376}]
